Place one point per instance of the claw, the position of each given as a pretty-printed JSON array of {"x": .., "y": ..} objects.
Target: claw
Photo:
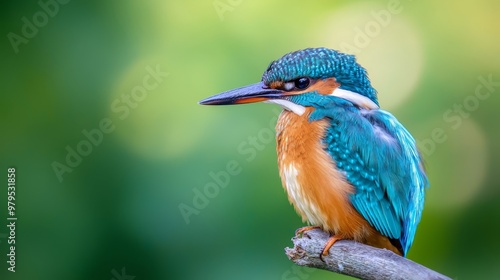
[
  {"x": 329, "y": 245},
  {"x": 301, "y": 230}
]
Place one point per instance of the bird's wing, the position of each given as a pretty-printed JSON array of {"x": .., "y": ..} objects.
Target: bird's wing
[{"x": 380, "y": 159}]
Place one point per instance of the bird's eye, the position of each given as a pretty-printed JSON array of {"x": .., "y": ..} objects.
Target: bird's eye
[
  {"x": 298, "y": 84},
  {"x": 302, "y": 83}
]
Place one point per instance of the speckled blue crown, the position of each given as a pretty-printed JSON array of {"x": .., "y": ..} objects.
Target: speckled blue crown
[{"x": 321, "y": 63}]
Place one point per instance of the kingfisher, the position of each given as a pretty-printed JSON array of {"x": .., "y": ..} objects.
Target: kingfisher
[{"x": 348, "y": 167}]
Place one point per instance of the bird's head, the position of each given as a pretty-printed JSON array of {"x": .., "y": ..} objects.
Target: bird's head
[{"x": 298, "y": 78}]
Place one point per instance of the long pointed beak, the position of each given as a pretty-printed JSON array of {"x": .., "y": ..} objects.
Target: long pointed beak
[{"x": 248, "y": 94}]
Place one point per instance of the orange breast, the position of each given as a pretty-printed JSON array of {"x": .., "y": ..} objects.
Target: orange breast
[{"x": 318, "y": 191}]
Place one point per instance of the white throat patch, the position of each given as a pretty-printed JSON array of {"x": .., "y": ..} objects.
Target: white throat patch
[
  {"x": 290, "y": 106},
  {"x": 356, "y": 98}
]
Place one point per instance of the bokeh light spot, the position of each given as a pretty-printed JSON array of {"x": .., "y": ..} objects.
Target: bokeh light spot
[
  {"x": 464, "y": 152},
  {"x": 154, "y": 113},
  {"x": 385, "y": 43}
]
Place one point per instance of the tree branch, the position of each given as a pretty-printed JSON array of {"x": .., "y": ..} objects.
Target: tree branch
[{"x": 355, "y": 259}]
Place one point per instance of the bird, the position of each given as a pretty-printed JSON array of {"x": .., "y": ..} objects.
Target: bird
[{"x": 348, "y": 167}]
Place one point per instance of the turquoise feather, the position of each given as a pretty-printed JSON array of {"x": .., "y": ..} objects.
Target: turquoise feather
[
  {"x": 379, "y": 157},
  {"x": 321, "y": 63}
]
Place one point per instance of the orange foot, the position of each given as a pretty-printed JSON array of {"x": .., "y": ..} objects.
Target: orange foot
[
  {"x": 301, "y": 230},
  {"x": 329, "y": 245}
]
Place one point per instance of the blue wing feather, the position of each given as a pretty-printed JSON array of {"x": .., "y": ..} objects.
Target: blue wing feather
[{"x": 380, "y": 159}]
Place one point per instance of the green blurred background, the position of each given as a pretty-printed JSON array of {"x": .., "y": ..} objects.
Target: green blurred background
[{"x": 119, "y": 207}]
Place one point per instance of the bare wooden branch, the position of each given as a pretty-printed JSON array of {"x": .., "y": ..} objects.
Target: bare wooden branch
[{"x": 356, "y": 259}]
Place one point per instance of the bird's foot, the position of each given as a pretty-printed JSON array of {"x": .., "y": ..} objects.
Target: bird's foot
[
  {"x": 329, "y": 245},
  {"x": 300, "y": 232}
]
